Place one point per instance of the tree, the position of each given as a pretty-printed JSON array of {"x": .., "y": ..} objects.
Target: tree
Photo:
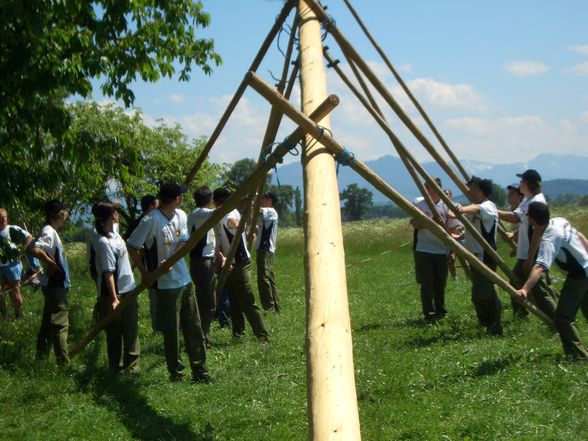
[
  {"x": 498, "y": 195},
  {"x": 50, "y": 50},
  {"x": 298, "y": 207},
  {"x": 358, "y": 202},
  {"x": 121, "y": 158}
]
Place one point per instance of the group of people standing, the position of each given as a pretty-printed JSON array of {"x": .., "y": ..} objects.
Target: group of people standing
[
  {"x": 182, "y": 300},
  {"x": 541, "y": 241}
]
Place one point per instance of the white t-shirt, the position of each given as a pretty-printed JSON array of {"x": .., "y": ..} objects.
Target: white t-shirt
[
  {"x": 425, "y": 241},
  {"x": 225, "y": 236},
  {"x": 489, "y": 218},
  {"x": 48, "y": 240},
  {"x": 160, "y": 236},
  {"x": 267, "y": 231},
  {"x": 112, "y": 257},
  {"x": 524, "y": 229},
  {"x": 561, "y": 244},
  {"x": 12, "y": 238},
  {"x": 205, "y": 246}
]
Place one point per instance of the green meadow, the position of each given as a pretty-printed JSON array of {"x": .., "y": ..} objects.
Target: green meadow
[{"x": 444, "y": 381}]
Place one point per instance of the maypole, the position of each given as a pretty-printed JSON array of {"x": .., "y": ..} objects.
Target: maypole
[{"x": 332, "y": 401}]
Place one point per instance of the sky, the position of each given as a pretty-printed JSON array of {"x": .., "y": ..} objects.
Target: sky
[{"x": 502, "y": 80}]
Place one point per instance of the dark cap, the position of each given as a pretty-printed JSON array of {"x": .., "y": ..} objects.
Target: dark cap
[
  {"x": 485, "y": 185},
  {"x": 54, "y": 207},
  {"x": 513, "y": 187},
  {"x": 272, "y": 196},
  {"x": 171, "y": 190},
  {"x": 530, "y": 176}
]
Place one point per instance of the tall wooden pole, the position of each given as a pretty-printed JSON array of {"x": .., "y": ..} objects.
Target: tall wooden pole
[{"x": 332, "y": 401}]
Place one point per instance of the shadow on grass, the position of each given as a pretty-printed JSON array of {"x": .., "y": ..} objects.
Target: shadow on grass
[
  {"x": 120, "y": 395},
  {"x": 414, "y": 323},
  {"x": 493, "y": 367}
]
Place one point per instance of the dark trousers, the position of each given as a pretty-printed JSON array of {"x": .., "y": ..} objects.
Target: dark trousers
[
  {"x": 177, "y": 310},
  {"x": 542, "y": 296},
  {"x": 243, "y": 302},
  {"x": 266, "y": 283},
  {"x": 122, "y": 337},
  {"x": 431, "y": 273},
  {"x": 202, "y": 272},
  {"x": 486, "y": 301},
  {"x": 573, "y": 293},
  {"x": 54, "y": 324}
]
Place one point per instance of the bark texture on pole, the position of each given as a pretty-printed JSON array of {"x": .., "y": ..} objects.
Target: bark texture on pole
[{"x": 332, "y": 402}]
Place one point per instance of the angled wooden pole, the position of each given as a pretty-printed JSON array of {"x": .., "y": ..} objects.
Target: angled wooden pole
[
  {"x": 273, "y": 124},
  {"x": 407, "y": 90},
  {"x": 240, "y": 90},
  {"x": 232, "y": 202},
  {"x": 331, "y": 396},
  {"x": 339, "y": 152},
  {"x": 352, "y": 54}
]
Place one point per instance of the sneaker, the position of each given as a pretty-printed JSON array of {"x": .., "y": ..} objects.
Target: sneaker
[
  {"x": 177, "y": 377},
  {"x": 203, "y": 378}
]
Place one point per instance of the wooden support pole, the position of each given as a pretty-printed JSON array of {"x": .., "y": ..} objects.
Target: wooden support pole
[
  {"x": 232, "y": 202},
  {"x": 273, "y": 123},
  {"x": 407, "y": 90},
  {"x": 354, "y": 57},
  {"x": 332, "y": 145},
  {"x": 331, "y": 396},
  {"x": 240, "y": 90}
]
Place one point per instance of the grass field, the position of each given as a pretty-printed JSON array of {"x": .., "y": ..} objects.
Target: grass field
[{"x": 415, "y": 381}]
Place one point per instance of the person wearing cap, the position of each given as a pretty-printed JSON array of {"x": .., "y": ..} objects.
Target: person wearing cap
[
  {"x": 55, "y": 283},
  {"x": 148, "y": 203},
  {"x": 542, "y": 295},
  {"x": 514, "y": 197},
  {"x": 267, "y": 232},
  {"x": 115, "y": 280},
  {"x": 202, "y": 267},
  {"x": 239, "y": 278},
  {"x": 430, "y": 257},
  {"x": 562, "y": 244},
  {"x": 484, "y": 217},
  {"x": 162, "y": 232},
  {"x": 12, "y": 241}
]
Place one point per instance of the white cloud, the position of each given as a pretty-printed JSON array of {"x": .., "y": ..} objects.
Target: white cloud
[
  {"x": 406, "y": 68},
  {"x": 445, "y": 95},
  {"x": 579, "y": 49},
  {"x": 525, "y": 68},
  {"x": 177, "y": 98},
  {"x": 584, "y": 117},
  {"x": 580, "y": 69}
]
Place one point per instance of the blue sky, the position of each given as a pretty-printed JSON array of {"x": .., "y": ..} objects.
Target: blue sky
[{"x": 503, "y": 80}]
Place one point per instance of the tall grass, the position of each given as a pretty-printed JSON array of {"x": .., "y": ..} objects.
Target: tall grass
[{"x": 415, "y": 381}]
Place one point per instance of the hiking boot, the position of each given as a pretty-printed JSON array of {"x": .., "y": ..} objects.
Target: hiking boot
[
  {"x": 203, "y": 378},
  {"x": 177, "y": 377}
]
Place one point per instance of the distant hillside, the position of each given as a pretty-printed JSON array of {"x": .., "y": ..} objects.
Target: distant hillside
[{"x": 571, "y": 169}]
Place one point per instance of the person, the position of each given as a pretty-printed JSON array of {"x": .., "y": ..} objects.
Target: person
[
  {"x": 55, "y": 283},
  {"x": 430, "y": 257},
  {"x": 454, "y": 226},
  {"x": 514, "y": 197},
  {"x": 483, "y": 215},
  {"x": 12, "y": 241},
  {"x": 563, "y": 244},
  {"x": 163, "y": 231},
  {"x": 267, "y": 232},
  {"x": 239, "y": 278},
  {"x": 542, "y": 295},
  {"x": 202, "y": 265},
  {"x": 148, "y": 203},
  {"x": 114, "y": 280}
]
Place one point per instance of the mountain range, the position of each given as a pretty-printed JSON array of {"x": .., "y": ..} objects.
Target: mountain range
[{"x": 570, "y": 172}]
